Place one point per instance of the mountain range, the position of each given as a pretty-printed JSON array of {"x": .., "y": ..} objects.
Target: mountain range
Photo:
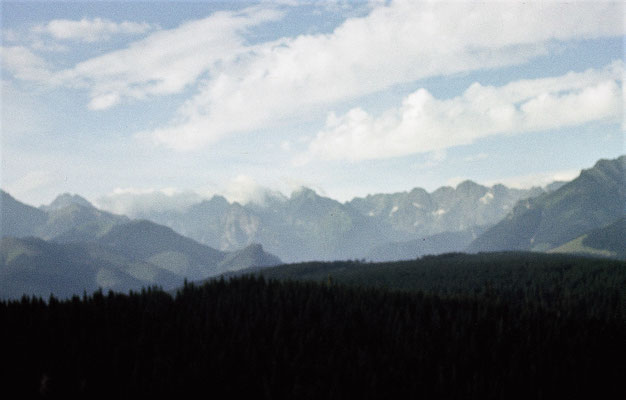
[
  {"x": 307, "y": 226},
  {"x": 385, "y": 227},
  {"x": 71, "y": 246}
]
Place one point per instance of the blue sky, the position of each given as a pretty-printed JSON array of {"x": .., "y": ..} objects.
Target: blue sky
[{"x": 167, "y": 99}]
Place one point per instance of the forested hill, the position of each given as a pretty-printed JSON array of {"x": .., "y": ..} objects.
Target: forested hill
[
  {"x": 555, "y": 332},
  {"x": 458, "y": 273}
]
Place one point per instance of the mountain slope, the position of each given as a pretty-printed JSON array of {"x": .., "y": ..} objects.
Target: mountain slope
[
  {"x": 68, "y": 218},
  {"x": 18, "y": 219},
  {"x": 446, "y": 242},
  {"x": 594, "y": 199},
  {"x": 75, "y": 222},
  {"x": 244, "y": 258},
  {"x": 608, "y": 241},
  {"x": 35, "y": 267},
  {"x": 160, "y": 245}
]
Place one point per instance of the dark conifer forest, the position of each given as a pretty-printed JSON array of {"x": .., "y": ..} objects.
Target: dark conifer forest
[{"x": 536, "y": 328}]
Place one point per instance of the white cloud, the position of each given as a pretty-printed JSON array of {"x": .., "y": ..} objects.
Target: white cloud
[
  {"x": 425, "y": 124},
  {"x": 140, "y": 202},
  {"x": 244, "y": 189},
  {"x": 90, "y": 30},
  {"x": 23, "y": 63}
]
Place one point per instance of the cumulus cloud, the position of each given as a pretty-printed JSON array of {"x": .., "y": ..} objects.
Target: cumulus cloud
[
  {"x": 244, "y": 189},
  {"x": 90, "y": 30},
  {"x": 139, "y": 203},
  {"x": 424, "y": 123}
]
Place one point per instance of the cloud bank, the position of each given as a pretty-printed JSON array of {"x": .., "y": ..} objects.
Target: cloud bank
[
  {"x": 141, "y": 202},
  {"x": 424, "y": 123}
]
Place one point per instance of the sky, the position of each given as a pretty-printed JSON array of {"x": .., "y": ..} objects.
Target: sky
[{"x": 172, "y": 101}]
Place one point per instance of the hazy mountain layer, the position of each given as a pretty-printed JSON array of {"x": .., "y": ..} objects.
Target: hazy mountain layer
[{"x": 307, "y": 226}]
